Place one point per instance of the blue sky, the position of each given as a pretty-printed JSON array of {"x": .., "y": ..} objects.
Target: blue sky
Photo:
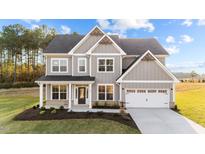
[{"x": 184, "y": 39}]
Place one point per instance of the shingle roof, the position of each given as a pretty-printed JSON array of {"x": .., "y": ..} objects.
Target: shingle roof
[
  {"x": 64, "y": 43},
  {"x": 65, "y": 78}
]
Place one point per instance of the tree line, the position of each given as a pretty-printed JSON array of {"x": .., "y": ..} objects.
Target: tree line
[{"x": 21, "y": 58}]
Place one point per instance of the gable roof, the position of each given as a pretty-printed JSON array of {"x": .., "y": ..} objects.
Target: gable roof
[
  {"x": 67, "y": 44},
  {"x": 120, "y": 79}
]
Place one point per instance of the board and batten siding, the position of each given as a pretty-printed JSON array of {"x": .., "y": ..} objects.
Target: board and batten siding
[
  {"x": 48, "y": 65},
  {"x": 148, "y": 86},
  {"x": 105, "y": 77},
  {"x": 147, "y": 70},
  {"x": 88, "y": 43},
  {"x": 75, "y": 64}
]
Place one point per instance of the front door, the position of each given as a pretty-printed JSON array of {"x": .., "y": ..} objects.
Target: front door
[{"x": 81, "y": 95}]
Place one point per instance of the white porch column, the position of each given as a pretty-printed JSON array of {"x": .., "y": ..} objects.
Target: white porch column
[
  {"x": 90, "y": 95},
  {"x": 69, "y": 97},
  {"x": 41, "y": 95}
]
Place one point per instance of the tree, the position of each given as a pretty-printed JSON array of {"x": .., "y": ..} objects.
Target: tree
[
  {"x": 12, "y": 41},
  {"x": 193, "y": 74}
]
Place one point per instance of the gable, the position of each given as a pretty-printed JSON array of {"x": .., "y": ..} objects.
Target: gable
[
  {"x": 147, "y": 70},
  {"x": 88, "y": 43}
]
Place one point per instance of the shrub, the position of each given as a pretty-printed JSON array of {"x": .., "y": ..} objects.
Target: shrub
[
  {"x": 42, "y": 112},
  {"x": 34, "y": 107},
  {"x": 106, "y": 105},
  {"x": 53, "y": 111},
  {"x": 17, "y": 85},
  {"x": 52, "y": 108},
  {"x": 37, "y": 106},
  {"x": 43, "y": 108},
  {"x": 61, "y": 107}
]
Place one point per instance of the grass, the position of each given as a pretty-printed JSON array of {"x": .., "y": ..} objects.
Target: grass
[
  {"x": 13, "y": 102},
  {"x": 190, "y": 98}
]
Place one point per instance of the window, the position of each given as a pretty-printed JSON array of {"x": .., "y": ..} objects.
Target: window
[
  {"x": 162, "y": 91},
  {"x": 141, "y": 91},
  {"x": 152, "y": 91},
  {"x": 82, "y": 65},
  {"x": 131, "y": 91},
  {"x": 59, "y": 92},
  {"x": 106, "y": 65},
  {"x": 59, "y": 65},
  {"x": 105, "y": 92}
]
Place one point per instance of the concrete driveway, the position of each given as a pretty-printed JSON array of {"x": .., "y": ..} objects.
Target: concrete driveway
[{"x": 163, "y": 121}]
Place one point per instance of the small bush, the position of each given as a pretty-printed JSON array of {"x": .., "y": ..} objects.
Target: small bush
[
  {"x": 34, "y": 107},
  {"x": 61, "y": 107},
  {"x": 37, "y": 106},
  {"x": 42, "y": 112},
  {"x": 53, "y": 111},
  {"x": 52, "y": 108},
  {"x": 43, "y": 108}
]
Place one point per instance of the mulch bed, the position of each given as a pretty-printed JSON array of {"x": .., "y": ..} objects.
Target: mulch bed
[{"x": 33, "y": 114}]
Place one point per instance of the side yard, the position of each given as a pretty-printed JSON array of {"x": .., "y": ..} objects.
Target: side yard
[
  {"x": 15, "y": 101},
  {"x": 190, "y": 98}
]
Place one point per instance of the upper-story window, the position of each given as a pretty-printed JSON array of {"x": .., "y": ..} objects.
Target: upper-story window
[
  {"x": 105, "y": 65},
  {"x": 81, "y": 65},
  {"x": 59, "y": 65}
]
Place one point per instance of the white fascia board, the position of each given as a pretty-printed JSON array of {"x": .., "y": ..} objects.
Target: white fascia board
[
  {"x": 158, "y": 62},
  {"x": 64, "y": 82},
  {"x": 147, "y": 81}
]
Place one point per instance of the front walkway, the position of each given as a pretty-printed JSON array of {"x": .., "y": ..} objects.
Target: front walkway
[{"x": 163, "y": 121}]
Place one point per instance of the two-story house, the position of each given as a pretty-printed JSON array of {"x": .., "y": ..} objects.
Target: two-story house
[{"x": 81, "y": 70}]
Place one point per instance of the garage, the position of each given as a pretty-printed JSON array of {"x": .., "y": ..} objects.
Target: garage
[{"x": 147, "y": 98}]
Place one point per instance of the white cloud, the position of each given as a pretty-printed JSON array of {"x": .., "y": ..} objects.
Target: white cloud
[
  {"x": 186, "y": 65},
  {"x": 122, "y": 25},
  {"x": 201, "y": 22},
  {"x": 170, "y": 39},
  {"x": 187, "y": 22},
  {"x": 173, "y": 49},
  {"x": 186, "y": 39},
  {"x": 30, "y": 21},
  {"x": 65, "y": 29},
  {"x": 34, "y": 26}
]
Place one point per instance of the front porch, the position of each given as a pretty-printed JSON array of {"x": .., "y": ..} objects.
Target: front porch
[{"x": 69, "y": 94}]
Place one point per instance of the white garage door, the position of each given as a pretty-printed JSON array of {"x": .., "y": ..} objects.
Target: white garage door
[{"x": 147, "y": 98}]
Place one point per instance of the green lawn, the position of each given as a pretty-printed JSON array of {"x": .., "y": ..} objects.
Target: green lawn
[
  {"x": 13, "y": 102},
  {"x": 190, "y": 99}
]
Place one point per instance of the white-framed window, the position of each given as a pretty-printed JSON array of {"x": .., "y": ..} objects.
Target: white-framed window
[
  {"x": 59, "y": 92},
  {"x": 82, "y": 63},
  {"x": 59, "y": 65},
  {"x": 105, "y": 92},
  {"x": 105, "y": 65}
]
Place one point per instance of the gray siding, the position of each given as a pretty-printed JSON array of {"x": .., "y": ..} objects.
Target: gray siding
[
  {"x": 127, "y": 61},
  {"x": 48, "y": 65},
  {"x": 151, "y": 86},
  {"x": 161, "y": 59},
  {"x": 147, "y": 70},
  {"x": 75, "y": 64},
  {"x": 105, "y": 48},
  {"x": 89, "y": 42}
]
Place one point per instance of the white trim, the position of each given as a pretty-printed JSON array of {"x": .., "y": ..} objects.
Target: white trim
[
  {"x": 120, "y": 65},
  {"x": 64, "y": 82},
  {"x": 46, "y": 92},
  {"x": 59, "y": 59},
  {"x": 72, "y": 66},
  {"x": 69, "y": 97},
  {"x": 55, "y": 54},
  {"x": 83, "y": 40},
  {"x": 85, "y": 59},
  {"x": 41, "y": 95},
  {"x": 147, "y": 81},
  {"x": 120, "y": 92},
  {"x": 105, "y": 84},
  {"x": 79, "y": 54},
  {"x": 158, "y": 62},
  {"x": 90, "y": 65},
  {"x": 46, "y": 66},
  {"x": 105, "y": 54},
  {"x": 113, "y": 43},
  {"x": 105, "y": 58},
  {"x": 90, "y": 95}
]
